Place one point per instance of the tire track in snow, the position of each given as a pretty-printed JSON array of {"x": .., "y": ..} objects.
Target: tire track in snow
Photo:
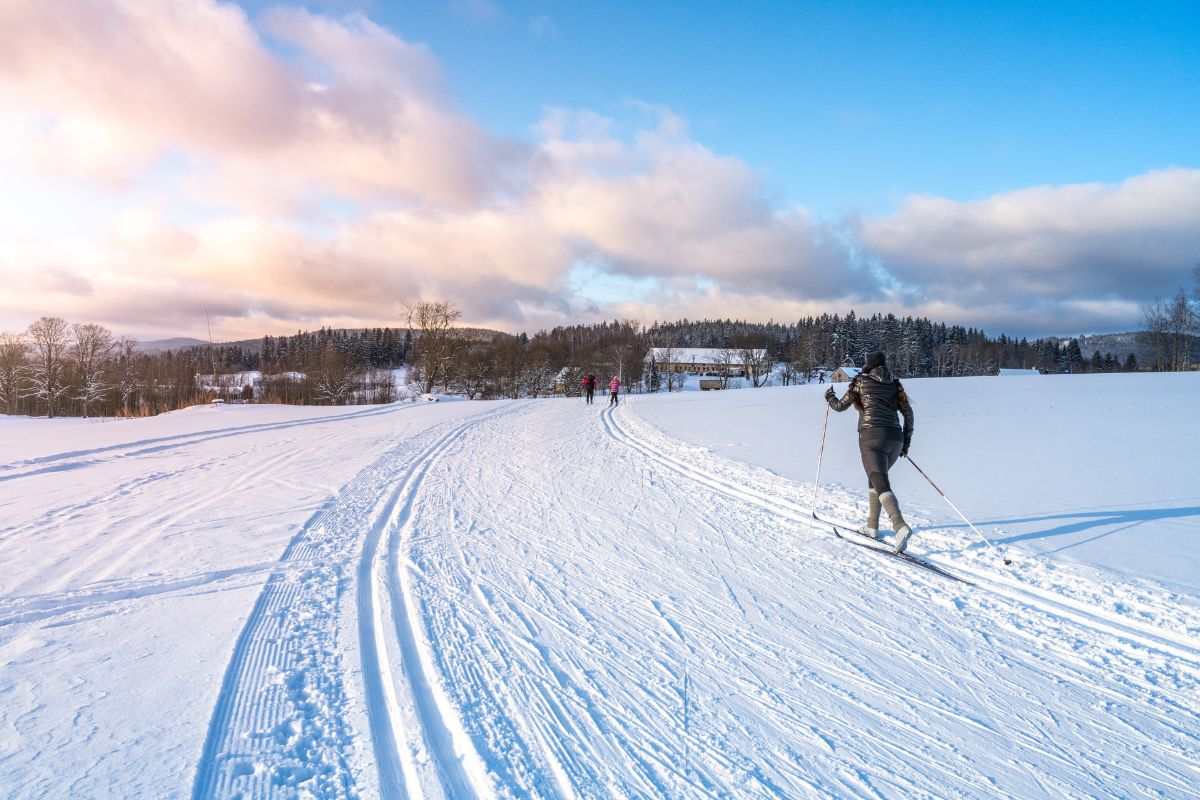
[{"x": 282, "y": 720}]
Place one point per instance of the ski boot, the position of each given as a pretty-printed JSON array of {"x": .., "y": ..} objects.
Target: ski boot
[{"x": 903, "y": 532}]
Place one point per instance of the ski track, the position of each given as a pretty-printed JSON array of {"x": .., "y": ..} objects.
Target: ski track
[
  {"x": 283, "y": 715},
  {"x": 553, "y": 600},
  {"x": 558, "y": 621},
  {"x": 81, "y": 459}
]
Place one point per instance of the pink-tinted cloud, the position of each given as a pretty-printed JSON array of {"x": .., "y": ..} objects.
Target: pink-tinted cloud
[
  {"x": 109, "y": 87},
  {"x": 309, "y": 170}
]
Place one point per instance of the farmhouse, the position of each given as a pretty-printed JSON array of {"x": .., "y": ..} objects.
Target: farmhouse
[
  {"x": 843, "y": 374},
  {"x": 1006, "y": 372},
  {"x": 702, "y": 360}
]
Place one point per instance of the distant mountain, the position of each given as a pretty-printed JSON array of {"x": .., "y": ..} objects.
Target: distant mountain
[
  {"x": 1121, "y": 345},
  {"x": 161, "y": 345}
]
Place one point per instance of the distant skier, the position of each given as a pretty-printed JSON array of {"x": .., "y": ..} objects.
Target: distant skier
[
  {"x": 589, "y": 388},
  {"x": 882, "y": 440},
  {"x": 614, "y": 388},
  {"x": 821, "y": 377}
]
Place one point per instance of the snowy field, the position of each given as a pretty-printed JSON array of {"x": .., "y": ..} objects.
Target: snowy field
[{"x": 546, "y": 599}]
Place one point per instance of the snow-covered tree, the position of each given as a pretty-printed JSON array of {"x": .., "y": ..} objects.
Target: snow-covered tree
[
  {"x": 49, "y": 338},
  {"x": 14, "y": 369},
  {"x": 92, "y": 347}
]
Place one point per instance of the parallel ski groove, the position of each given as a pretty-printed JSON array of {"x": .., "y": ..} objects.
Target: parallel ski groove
[
  {"x": 1143, "y": 635},
  {"x": 281, "y": 714},
  {"x": 393, "y": 707},
  {"x": 76, "y": 459}
]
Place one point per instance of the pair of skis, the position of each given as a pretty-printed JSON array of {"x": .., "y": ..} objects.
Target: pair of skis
[{"x": 854, "y": 537}]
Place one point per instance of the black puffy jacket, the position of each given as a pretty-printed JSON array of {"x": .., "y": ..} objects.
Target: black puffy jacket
[{"x": 879, "y": 398}]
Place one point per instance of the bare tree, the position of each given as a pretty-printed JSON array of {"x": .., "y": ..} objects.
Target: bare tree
[
  {"x": 93, "y": 348},
  {"x": 538, "y": 375},
  {"x": 126, "y": 369},
  {"x": 1168, "y": 324},
  {"x": 14, "y": 369},
  {"x": 48, "y": 338},
  {"x": 758, "y": 364},
  {"x": 726, "y": 358},
  {"x": 334, "y": 376},
  {"x": 666, "y": 356},
  {"x": 789, "y": 372},
  {"x": 438, "y": 343}
]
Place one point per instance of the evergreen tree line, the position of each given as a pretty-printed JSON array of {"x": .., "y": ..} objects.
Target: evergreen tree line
[{"x": 55, "y": 368}]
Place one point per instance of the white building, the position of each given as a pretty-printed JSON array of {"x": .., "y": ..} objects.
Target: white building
[{"x": 701, "y": 360}]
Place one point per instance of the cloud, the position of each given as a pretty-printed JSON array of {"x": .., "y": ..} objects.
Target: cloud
[
  {"x": 297, "y": 169},
  {"x": 109, "y": 88},
  {"x": 1083, "y": 242}
]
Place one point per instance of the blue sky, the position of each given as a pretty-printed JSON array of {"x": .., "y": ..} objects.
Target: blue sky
[
  {"x": 1025, "y": 168},
  {"x": 852, "y": 106}
]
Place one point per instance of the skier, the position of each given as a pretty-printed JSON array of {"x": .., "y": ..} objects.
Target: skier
[
  {"x": 614, "y": 386},
  {"x": 821, "y": 377},
  {"x": 882, "y": 440},
  {"x": 589, "y": 388}
]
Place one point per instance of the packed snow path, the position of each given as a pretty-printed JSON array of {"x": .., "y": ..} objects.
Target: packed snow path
[
  {"x": 546, "y": 599},
  {"x": 552, "y": 601}
]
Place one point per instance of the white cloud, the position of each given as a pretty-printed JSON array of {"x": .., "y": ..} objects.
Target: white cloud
[
  {"x": 264, "y": 125},
  {"x": 1054, "y": 243}
]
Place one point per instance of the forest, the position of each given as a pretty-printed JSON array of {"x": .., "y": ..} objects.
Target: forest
[{"x": 55, "y": 368}]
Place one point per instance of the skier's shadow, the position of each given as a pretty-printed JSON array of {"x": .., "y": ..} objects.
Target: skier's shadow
[{"x": 1084, "y": 520}]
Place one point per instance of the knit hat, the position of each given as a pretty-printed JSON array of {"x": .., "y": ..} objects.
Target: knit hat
[{"x": 876, "y": 359}]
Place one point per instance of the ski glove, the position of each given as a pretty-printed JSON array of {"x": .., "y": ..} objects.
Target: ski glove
[{"x": 830, "y": 395}]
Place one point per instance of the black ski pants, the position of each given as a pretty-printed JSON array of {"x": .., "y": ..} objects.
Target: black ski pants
[{"x": 880, "y": 449}]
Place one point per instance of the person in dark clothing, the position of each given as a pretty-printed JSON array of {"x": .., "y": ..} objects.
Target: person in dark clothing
[
  {"x": 589, "y": 388},
  {"x": 882, "y": 439}
]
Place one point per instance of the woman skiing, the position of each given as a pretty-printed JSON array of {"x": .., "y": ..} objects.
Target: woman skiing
[
  {"x": 614, "y": 387},
  {"x": 881, "y": 438}
]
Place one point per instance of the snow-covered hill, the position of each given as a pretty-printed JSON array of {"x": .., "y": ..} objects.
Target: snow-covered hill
[{"x": 547, "y": 599}]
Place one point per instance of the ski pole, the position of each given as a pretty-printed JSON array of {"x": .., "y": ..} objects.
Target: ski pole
[
  {"x": 947, "y": 499},
  {"x": 820, "y": 458}
]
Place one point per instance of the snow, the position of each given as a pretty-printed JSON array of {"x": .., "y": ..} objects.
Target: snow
[{"x": 545, "y": 599}]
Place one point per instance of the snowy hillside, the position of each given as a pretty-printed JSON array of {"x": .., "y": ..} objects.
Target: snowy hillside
[{"x": 547, "y": 599}]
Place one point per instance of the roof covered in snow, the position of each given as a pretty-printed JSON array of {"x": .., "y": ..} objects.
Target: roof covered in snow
[{"x": 702, "y": 355}]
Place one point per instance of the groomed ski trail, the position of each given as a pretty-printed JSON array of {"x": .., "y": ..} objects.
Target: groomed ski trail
[
  {"x": 597, "y": 612},
  {"x": 1159, "y": 622},
  {"x": 545, "y": 601},
  {"x": 283, "y": 718}
]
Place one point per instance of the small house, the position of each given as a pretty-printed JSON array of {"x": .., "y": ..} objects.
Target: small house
[
  {"x": 844, "y": 374},
  {"x": 1006, "y": 372}
]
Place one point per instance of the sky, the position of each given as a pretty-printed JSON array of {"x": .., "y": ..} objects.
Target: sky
[{"x": 1025, "y": 168}]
